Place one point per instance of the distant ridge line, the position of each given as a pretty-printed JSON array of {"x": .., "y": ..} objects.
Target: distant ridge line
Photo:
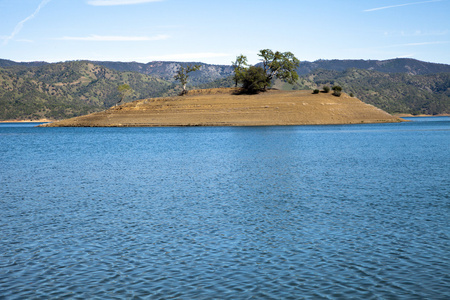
[{"x": 165, "y": 69}]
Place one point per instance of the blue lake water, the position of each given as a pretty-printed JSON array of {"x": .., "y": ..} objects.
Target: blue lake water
[{"x": 322, "y": 212}]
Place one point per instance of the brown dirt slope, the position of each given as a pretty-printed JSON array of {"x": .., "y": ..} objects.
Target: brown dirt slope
[{"x": 223, "y": 107}]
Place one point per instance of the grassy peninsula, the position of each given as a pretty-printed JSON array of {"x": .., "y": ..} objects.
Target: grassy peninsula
[{"x": 227, "y": 107}]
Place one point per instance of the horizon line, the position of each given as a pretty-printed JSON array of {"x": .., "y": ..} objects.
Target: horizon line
[{"x": 194, "y": 61}]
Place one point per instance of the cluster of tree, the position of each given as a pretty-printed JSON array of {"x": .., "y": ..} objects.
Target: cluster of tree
[
  {"x": 337, "y": 90},
  {"x": 254, "y": 78},
  {"x": 280, "y": 65}
]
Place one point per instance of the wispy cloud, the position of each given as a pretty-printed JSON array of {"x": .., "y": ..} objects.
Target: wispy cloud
[
  {"x": 416, "y": 33},
  {"x": 422, "y": 44},
  {"x": 118, "y": 2},
  {"x": 19, "y": 25},
  {"x": 412, "y": 44},
  {"x": 399, "y": 5},
  {"x": 113, "y": 38}
]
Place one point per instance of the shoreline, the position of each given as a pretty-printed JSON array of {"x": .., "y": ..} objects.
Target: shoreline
[
  {"x": 400, "y": 115},
  {"x": 419, "y": 116},
  {"x": 28, "y": 121}
]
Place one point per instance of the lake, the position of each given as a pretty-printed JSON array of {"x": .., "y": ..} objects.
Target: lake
[{"x": 320, "y": 212}]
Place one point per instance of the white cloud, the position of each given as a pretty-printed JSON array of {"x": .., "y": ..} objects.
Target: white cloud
[
  {"x": 112, "y": 38},
  {"x": 399, "y": 5},
  {"x": 19, "y": 25},
  {"x": 119, "y": 2}
]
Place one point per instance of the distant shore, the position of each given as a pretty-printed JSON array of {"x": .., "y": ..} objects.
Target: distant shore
[
  {"x": 28, "y": 121},
  {"x": 411, "y": 116}
]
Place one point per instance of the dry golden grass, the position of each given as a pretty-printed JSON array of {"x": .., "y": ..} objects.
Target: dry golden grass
[{"x": 223, "y": 107}]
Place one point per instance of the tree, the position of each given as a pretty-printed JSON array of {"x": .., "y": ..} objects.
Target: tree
[
  {"x": 280, "y": 65},
  {"x": 239, "y": 68},
  {"x": 254, "y": 79},
  {"x": 124, "y": 90},
  {"x": 182, "y": 75}
]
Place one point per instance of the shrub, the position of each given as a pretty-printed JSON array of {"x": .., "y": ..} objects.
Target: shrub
[
  {"x": 316, "y": 91},
  {"x": 337, "y": 93},
  {"x": 351, "y": 95},
  {"x": 326, "y": 89},
  {"x": 336, "y": 88}
]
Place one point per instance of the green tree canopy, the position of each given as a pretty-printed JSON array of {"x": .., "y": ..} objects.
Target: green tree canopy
[
  {"x": 254, "y": 79},
  {"x": 281, "y": 65},
  {"x": 182, "y": 75},
  {"x": 239, "y": 68},
  {"x": 124, "y": 90}
]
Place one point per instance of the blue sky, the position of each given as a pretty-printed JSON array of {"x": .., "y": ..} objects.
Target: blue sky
[{"x": 216, "y": 31}]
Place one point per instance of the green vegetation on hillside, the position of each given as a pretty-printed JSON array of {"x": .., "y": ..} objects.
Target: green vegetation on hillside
[
  {"x": 167, "y": 70},
  {"x": 397, "y": 65},
  {"x": 69, "y": 89}
]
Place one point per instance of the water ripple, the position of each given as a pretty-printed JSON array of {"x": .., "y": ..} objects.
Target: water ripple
[{"x": 225, "y": 213}]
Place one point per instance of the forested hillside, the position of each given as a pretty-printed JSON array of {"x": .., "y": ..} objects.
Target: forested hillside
[
  {"x": 208, "y": 73},
  {"x": 5, "y": 63},
  {"x": 397, "y": 65},
  {"x": 68, "y": 89},
  {"x": 167, "y": 70}
]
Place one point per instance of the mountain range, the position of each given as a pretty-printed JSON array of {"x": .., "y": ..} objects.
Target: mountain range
[{"x": 33, "y": 90}]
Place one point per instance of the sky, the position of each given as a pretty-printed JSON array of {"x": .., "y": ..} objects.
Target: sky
[{"x": 216, "y": 31}]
